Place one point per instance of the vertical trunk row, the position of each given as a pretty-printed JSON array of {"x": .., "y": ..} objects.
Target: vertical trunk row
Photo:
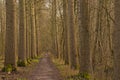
[
  {"x": 27, "y": 33},
  {"x": 101, "y": 41}
]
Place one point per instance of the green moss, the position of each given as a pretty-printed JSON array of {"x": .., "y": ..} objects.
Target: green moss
[
  {"x": 29, "y": 61},
  {"x": 9, "y": 68},
  {"x": 35, "y": 60},
  {"x": 85, "y": 76},
  {"x": 21, "y": 63}
]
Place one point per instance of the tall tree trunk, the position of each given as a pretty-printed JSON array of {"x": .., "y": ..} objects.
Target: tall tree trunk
[
  {"x": 72, "y": 50},
  {"x": 33, "y": 30},
  {"x": 10, "y": 55},
  {"x": 85, "y": 56},
  {"x": 3, "y": 24},
  {"x": 28, "y": 25},
  {"x": 36, "y": 23},
  {"x": 65, "y": 23},
  {"x": 22, "y": 32},
  {"x": 116, "y": 41},
  {"x": 54, "y": 28},
  {"x": 27, "y": 30}
]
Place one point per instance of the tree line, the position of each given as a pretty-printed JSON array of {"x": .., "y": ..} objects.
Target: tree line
[
  {"x": 88, "y": 36},
  {"x": 19, "y": 31}
]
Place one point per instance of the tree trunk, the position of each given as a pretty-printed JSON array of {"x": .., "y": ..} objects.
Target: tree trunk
[
  {"x": 33, "y": 30},
  {"x": 10, "y": 55},
  {"x": 65, "y": 23},
  {"x": 72, "y": 50},
  {"x": 22, "y": 32},
  {"x": 54, "y": 28},
  {"x": 116, "y": 41},
  {"x": 85, "y": 56}
]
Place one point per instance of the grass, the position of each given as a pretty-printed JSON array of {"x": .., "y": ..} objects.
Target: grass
[
  {"x": 36, "y": 60},
  {"x": 22, "y": 63},
  {"x": 65, "y": 70},
  {"x": 68, "y": 73}
]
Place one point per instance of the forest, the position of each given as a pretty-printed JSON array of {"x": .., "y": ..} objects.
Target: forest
[{"x": 59, "y": 39}]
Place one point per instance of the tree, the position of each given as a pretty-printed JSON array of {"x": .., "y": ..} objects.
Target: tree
[
  {"x": 2, "y": 27},
  {"x": 54, "y": 28},
  {"x": 28, "y": 28},
  {"x": 33, "y": 30},
  {"x": 71, "y": 38},
  {"x": 10, "y": 55},
  {"x": 100, "y": 30},
  {"x": 85, "y": 56},
  {"x": 116, "y": 41},
  {"x": 22, "y": 33},
  {"x": 65, "y": 26}
]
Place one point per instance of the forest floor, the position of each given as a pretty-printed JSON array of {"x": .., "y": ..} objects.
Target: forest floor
[
  {"x": 44, "y": 69},
  {"x": 20, "y": 74},
  {"x": 65, "y": 70}
]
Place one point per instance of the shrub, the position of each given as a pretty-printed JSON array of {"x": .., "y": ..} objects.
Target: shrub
[
  {"x": 21, "y": 63},
  {"x": 80, "y": 76},
  {"x": 9, "y": 68}
]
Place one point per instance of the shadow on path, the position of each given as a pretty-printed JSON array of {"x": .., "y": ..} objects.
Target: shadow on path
[{"x": 45, "y": 70}]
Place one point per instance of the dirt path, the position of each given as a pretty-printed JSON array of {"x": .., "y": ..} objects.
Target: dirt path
[{"x": 45, "y": 70}]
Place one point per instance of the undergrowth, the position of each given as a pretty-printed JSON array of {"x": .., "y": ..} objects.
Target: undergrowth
[
  {"x": 67, "y": 73},
  {"x": 22, "y": 63},
  {"x": 80, "y": 76},
  {"x": 9, "y": 68}
]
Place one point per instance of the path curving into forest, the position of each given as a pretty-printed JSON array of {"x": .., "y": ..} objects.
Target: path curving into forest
[{"x": 45, "y": 70}]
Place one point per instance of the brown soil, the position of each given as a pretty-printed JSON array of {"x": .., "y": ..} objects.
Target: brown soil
[{"x": 45, "y": 70}]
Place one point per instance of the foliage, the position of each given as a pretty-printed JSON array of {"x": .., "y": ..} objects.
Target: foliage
[
  {"x": 9, "y": 68},
  {"x": 29, "y": 61},
  {"x": 35, "y": 60},
  {"x": 21, "y": 63},
  {"x": 80, "y": 76}
]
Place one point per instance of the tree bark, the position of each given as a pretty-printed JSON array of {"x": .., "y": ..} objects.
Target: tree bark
[
  {"x": 85, "y": 56},
  {"x": 10, "y": 55},
  {"x": 33, "y": 30},
  {"x": 116, "y": 41},
  {"x": 65, "y": 23},
  {"x": 22, "y": 32},
  {"x": 72, "y": 50}
]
